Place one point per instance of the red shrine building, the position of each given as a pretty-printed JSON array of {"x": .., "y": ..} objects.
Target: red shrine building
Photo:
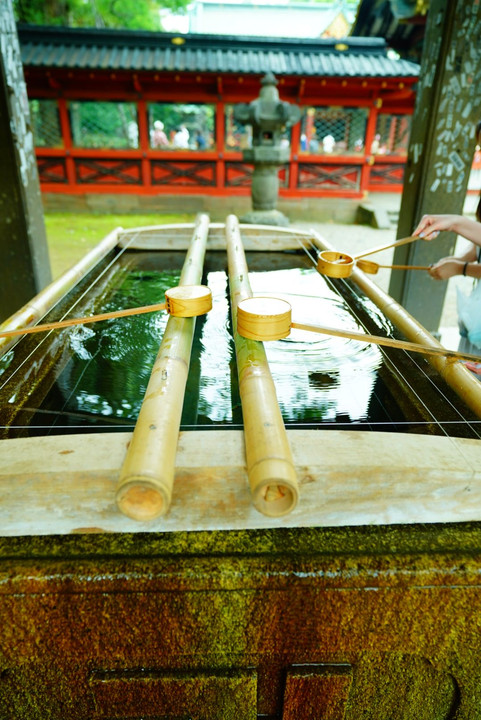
[{"x": 150, "y": 114}]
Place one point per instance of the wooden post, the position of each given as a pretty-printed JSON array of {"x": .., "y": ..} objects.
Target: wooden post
[
  {"x": 441, "y": 147},
  {"x": 24, "y": 263}
]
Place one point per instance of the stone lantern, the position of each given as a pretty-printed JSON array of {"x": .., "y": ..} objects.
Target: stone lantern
[{"x": 269, "y": 118}]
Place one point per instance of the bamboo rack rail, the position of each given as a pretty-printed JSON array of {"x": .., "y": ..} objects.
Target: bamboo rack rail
[
  {"x": 270, "y": 466},
  {"x": 146, "y": 481}
]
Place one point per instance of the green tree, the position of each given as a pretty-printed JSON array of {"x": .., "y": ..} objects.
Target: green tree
[{"x": 129, "y": 14}]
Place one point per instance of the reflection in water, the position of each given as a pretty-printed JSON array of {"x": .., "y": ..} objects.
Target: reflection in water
[
  {"x": 96, "y": 375},
  {"x": 5, "y": 361},
  {"x": 217, "y": 353},
  {"x": 112, "y": 361},
  {"x": 295, "y": 359}
]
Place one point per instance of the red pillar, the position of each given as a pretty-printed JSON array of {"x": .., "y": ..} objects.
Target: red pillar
[
  {"x": 144, "y": 141},
  {"x": 67, "y": 141},
  {"x": 370, "y": 133},
  {"x": 220, "y": 144}
]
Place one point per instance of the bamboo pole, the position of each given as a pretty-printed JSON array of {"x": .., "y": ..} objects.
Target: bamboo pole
[
  {"x": 147, "y": 476},
  {"x": 46, "y": 299},
  {"x": 270, "y": 466}
]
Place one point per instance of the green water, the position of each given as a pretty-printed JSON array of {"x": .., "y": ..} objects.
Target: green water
[{"x": 94, "y": 377}]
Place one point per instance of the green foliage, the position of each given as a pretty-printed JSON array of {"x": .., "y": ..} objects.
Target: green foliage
[
  {"x": 102, "y": 124},
  {"x": 195, "y": 117},
  {"x": 129, "y": 14}
]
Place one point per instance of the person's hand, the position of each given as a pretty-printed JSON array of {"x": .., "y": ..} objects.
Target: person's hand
[
  {"x": 446, "y": 268},
  {"x": 431, "y": 225}
]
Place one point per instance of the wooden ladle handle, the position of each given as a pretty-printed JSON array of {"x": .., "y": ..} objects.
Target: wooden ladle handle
[
  {"x": 389, "y": 342},
  {"x": 402, "y": 241},
  {"x": 181, "y": 301},
  {"x": 83, "y": 320},
  {"x": 370, "y": 267}
]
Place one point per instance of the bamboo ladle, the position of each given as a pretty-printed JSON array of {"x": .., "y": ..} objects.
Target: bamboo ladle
[
  {"x": 340, "y": 265},
  {"x": 181, "y": 301},
  {"x": 266, "y": 318},
  {"x": 370, "y": 267}
]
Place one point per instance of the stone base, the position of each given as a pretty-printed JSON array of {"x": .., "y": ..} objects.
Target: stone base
[
  {"x": 265, "y": 217},
  {"x": 307, "y": 209}
]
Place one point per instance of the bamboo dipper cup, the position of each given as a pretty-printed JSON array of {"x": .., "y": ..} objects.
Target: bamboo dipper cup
[
  {"x": 188, "y": 300},
  {"x": 335, "y": 264},
  {"x": 181, "y": 301},
  {"x": 270, "y": 319},
  {"x": 264, "y": 318},
  {"x": 340, "y": 265},
  {"x": 370, "y": 267}
]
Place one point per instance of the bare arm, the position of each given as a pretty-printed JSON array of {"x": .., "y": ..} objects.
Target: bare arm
[
  {"x": 431, "y": 225},
  {"x": 465, "y": 264}
]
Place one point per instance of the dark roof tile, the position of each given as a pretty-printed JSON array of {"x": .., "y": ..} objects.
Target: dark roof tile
[{"x": 142, "y": 51}]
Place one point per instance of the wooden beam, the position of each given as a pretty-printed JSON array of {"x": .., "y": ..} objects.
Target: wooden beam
[
  {"x": 24, "y": 263},
  {"x": 54, "y": 485}
]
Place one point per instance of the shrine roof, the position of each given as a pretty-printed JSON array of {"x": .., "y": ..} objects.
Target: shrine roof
[{"x": 82, "y": 48}]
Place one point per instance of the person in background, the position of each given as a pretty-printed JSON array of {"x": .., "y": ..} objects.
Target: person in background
[
  {"x": 181, "y": 138},
  {"x": 328, "y": 143},
  {"x": 314, "y": 143},
  {"x": 200, "y": 140},
  {"x": 359, "y": 145},
  {"x": 133, "y": 134},
  {"x": 376, "y": 144},
  {"x": 159, "y": 138}
]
